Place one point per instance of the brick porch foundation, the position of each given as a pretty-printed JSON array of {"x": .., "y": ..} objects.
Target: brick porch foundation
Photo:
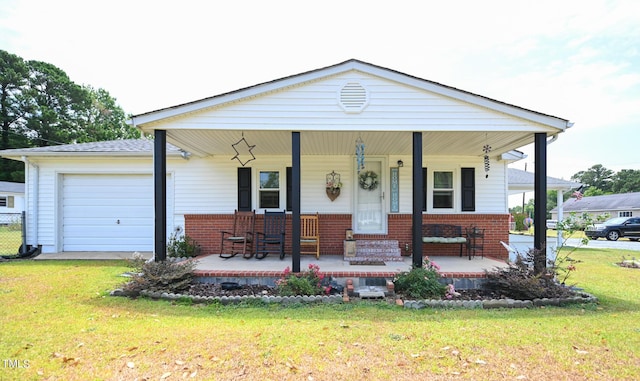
[{"x": 206, "y": 229}]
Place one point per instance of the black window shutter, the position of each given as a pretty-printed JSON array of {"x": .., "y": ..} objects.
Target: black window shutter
[
  {"x": 424, "y": 189},
  {"x": 289, "y": 177},
  {"x": 244, "y": 189},
  {"x": 468, "y": 187}
]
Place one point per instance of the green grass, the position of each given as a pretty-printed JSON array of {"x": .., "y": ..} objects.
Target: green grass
[{"x": 59, "y": 318}]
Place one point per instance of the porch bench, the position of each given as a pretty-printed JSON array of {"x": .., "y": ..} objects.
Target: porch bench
[{"x": 444, "y": 234}]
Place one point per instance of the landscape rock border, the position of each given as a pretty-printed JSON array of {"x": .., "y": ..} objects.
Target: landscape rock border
[
  {"x": 581, "y": 297},
  {"x": 226, "y": 300},
  {"x": 501, "y": 303}
]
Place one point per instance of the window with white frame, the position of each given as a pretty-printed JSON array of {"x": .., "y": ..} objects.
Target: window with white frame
[
  {"x": 625, "y": 214},
  {"x": 443, "y": 194},
  {"x": 269, "y": 190},
  {"x": 3, "y": 201}
]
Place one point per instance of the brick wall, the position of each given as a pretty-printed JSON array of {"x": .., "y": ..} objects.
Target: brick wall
[{"x": 206, "y": 229}]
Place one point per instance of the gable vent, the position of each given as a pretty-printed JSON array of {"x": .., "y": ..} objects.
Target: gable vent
[{"x": 353, "y": 97}]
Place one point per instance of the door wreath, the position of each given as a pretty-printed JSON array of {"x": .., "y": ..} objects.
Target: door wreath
[{"x": 368, "y": 180}]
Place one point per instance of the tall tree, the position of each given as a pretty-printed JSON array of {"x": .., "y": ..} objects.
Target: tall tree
[
  {"x": 14, "y": 74},
  {"x": 40, "y": 105},
  {"x": 625, "y": 181},
  {"x": 104, "y": 119},
  {"x": 56, "y": 104},
  {"x": 597, "y": 177}
]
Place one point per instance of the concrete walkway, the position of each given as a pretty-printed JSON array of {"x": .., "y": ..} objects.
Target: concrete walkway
[
  {"x": 337, "y": 264},
  {"x": 92, "y": 255}
]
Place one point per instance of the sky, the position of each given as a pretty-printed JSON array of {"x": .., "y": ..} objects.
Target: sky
[{"x": 577, "y": 60}]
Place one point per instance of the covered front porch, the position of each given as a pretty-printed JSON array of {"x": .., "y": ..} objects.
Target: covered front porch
[{"x": 433, "y": 152}]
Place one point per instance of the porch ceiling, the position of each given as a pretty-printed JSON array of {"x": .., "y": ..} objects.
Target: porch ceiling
[{"x": 441, "y": 143}]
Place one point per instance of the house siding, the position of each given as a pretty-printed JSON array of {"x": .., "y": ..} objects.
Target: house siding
[
  {"x": 391, "y": 105},
  {"x": 207, "y": 188},
  {"x": 208, "y": 209}
]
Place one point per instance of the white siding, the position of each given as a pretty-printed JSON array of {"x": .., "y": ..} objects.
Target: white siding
[
  {"x": 207, "y": 186},
  {"x": 392, "y": 106}
]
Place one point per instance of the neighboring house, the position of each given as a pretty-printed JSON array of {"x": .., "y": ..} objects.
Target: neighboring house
[
  {"x": 522, "y": 181},
  {"x": 272, "y": 146},
  {"x": 11, "y": 201},
  {"x": 602, "y": 207}
]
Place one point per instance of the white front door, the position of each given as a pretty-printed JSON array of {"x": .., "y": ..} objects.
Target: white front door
[{"x": 370, "y": 213}]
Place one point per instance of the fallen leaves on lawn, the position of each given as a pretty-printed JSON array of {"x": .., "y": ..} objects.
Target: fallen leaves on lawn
[
  {"x": 72, "y": 361},
  {"x": 292, "y": 367}
]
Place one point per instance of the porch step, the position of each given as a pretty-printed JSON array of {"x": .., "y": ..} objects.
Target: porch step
[{"x": 377, "y": 250}]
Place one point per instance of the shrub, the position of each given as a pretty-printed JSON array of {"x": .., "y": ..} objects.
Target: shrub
[
  {"x": 518, "y": 280},
  {"x": 420, "y": 282},
  {"x": 161, "y": 276},
  {"x": 307, "y": 283},
  {"x": 182, "y": 246}
]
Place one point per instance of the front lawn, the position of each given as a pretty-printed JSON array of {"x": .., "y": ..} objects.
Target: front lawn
[{"x": 58, "y": 322}]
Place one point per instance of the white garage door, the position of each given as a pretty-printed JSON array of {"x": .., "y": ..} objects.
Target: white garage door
[{"x": 108, "y": 213}]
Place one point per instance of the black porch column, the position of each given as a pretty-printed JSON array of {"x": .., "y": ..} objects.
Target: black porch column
[
  {"x": 295, "y": 201},
  {"x": 540, "y": 199},
  {"x": 418, "y": 199},
  {"x": 160, "y": 194}
]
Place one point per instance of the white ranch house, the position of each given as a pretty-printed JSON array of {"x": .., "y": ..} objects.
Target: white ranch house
[{"x": 423, "y": 140}]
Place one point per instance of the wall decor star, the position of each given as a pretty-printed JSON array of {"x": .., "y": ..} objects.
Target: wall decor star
[{"x": 243, "y": 150}]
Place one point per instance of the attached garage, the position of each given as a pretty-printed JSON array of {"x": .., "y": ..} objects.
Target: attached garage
[{"x": 107, "y": 212}]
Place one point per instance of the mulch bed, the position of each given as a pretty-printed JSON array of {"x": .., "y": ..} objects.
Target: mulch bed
[{"x": 216, "y": 290}]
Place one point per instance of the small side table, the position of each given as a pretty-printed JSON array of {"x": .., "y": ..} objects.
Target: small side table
[
  {"x": 475, "y": 242},
  {"x": 349, "y": 250}
]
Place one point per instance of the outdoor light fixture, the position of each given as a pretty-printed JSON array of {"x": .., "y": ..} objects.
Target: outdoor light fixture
[
  {"x": 400, "y": 163},
  {"x": 185, "y": 155}
]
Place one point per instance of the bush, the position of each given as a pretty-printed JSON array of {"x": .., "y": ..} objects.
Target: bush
[
  {"x": 518, "y": 280},
  {"x": 182, "y": 247},
  {"x": 161, "y": 276},
  {"x": 420, "y": 282},
  {"x": 307, "y": 283}
]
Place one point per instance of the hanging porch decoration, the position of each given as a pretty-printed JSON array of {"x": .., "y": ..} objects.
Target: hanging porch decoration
[
  {"x": 243, "y": 149},
  {"x": 359, "y": 154},
  {"x": 487, "y": 165},
  {"x": 333, "y": 185}
]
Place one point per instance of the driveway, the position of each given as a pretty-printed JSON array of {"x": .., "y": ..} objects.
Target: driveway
[{"x": 621, "y": 244}]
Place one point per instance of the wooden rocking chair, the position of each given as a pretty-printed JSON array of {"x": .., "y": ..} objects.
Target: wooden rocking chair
[
  {"x": 242, "y": 236},
  {"x": 271, "y": 239},
  {"x": 310, "y": 235}
]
